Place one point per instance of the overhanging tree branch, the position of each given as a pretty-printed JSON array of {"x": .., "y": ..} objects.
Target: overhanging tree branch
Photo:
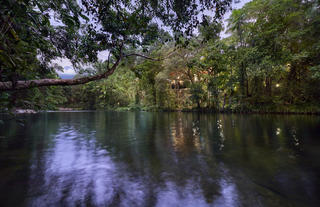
[
  {"x": 146, "y": 57},
  {"x": 150, "y": 58},
  {"x": 19, "y": 85}
]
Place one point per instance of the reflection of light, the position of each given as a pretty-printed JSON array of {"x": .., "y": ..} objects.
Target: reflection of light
[
  {"x": 229, "y": 194},
  {"x": 278, "y": 131},
  {"x": 233, "y": 123},
  {"x": 78, "y": 167},
  {"x": 295, "y": 139},
  {"x": 172, "y": 194},
  {"x": 178, "y": 138},
  {"x": 219, "y": 123},
  {"x": 277, "y": 85},
  {"x": 197, "y": 143},
  {"x": 196, "y": 135}
]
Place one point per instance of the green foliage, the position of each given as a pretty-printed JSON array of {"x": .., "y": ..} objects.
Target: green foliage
[
  {"x": 147, "y": 72},
  {"x": 197, "y": 93},
  {"x": 275, "y": 48},
  {"x": 35, "y": 32},
  {"x": 270, "y": 61},
  {"x": 119, "y": 90}
]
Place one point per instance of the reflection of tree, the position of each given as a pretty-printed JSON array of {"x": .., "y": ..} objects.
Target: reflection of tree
[
  {"x": 197, "y": 136},
  {"x": 143, "y": 158}
]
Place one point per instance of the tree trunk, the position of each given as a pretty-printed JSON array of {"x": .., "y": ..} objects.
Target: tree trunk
[
  {"x": 242, "y": 80},
  {"x": 224, "y": 101},
  {"x": 12, "y": 101},
  {"x": 247, "y": 88},
  {"x": 137, "y": 98},
  {"x": 154, "y": 95},
  {"x": 19, "y": 85}
]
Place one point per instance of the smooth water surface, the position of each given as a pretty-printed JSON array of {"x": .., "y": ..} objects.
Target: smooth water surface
[{"x": 160, "y": 159}]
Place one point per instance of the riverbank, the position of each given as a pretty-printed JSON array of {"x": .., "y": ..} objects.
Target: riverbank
[
  {"x": 209, "y": 110},
  {"x": 156, "y": 109},
  {"x": 33, "y": 111}
]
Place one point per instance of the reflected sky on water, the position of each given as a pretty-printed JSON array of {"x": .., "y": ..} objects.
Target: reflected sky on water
[{"x": 160, "y": 159}]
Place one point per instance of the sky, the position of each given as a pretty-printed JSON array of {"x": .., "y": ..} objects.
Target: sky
[
  {"x": 68, "y": 68},
  {"x": 236, "y": 4}
]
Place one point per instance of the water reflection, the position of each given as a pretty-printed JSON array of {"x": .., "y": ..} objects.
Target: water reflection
[{"x": 160, "y": 159}]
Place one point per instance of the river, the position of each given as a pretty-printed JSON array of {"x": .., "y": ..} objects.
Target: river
[{"x": 160, "y": 159}]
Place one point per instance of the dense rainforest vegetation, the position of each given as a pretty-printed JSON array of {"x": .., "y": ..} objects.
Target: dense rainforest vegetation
[{"x": 269, "y": 62}]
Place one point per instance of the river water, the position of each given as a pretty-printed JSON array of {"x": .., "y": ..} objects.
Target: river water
[{"x": 160, "y": 159}]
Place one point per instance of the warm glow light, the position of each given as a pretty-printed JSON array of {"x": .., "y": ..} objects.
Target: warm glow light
[{"x": 277, "y": 85}]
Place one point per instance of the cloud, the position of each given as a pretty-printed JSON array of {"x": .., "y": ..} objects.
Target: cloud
[
  {"x": 103, "y": 55},
  {"x": 68, "y": 70},
  {"x": 66, "y": 64}
]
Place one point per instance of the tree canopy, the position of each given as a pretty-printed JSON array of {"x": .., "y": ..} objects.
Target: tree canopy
[
  {"x": 35, "y": 32},
  {"x": 269, "y": 62}
]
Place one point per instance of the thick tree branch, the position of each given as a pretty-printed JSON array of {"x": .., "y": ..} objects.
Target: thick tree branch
[
  {"x": 150, "y": 58},
  {"x": 146, "y": 57},
  {"x": 19, "y": 85}
]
